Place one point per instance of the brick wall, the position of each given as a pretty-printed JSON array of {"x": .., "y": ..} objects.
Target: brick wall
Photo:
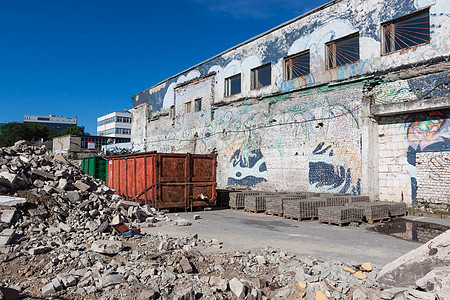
[{"x": 433, "y": 179}]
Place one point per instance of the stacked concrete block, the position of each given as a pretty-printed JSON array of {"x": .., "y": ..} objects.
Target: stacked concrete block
[
  {"x": 302, "y": 208},
  {"x": 353, "y": 199},
  {"x": 340, "y": 214},
  {"x": 396, "y": 208},
  {"x": 373, "y": 210},
  {"x": 255, "y": 202},
  {"x": 236, "y": 200},
  {"x": 341, "y": 200}
]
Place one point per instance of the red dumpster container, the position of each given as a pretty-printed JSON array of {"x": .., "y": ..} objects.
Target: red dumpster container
[{"x": 164, "y": 180}]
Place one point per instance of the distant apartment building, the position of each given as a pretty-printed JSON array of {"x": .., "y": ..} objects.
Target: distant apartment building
[
  {"x": 116, "y": 124},
  {"x": 58, "y": 123}
]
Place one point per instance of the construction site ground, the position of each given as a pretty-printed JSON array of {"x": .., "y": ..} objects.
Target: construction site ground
[{"x": 240, "y": 230}]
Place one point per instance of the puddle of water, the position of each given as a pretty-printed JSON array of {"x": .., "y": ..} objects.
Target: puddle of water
[{"x": 410, "y": 230}]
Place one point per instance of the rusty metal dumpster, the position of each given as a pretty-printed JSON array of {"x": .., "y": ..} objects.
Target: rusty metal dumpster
[{"x": 164, "y": 180}]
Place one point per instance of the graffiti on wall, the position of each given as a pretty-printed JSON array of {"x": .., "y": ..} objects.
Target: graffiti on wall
[
  {"x": 247, "y": 169},
  {"x": 330, "y": 174},
  {"x": 426, "y": 132}
]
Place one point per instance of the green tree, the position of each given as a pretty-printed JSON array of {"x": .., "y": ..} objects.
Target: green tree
[
  {"x": 13, "y": 132},
  {"x": 75, "y": 130}
]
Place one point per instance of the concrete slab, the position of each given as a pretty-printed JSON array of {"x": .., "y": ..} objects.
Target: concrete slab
[{"x": 11, "y": 201}]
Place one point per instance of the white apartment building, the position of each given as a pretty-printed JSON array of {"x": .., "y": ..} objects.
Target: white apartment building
[
  {"x": 58, "y": 123},
  {"x": 116, "y": 124}
]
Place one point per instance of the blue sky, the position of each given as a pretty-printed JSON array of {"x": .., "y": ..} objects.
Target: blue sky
[{"x": 87, "y": 58}]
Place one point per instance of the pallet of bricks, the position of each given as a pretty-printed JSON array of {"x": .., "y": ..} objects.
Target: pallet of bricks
[
  {"x": 302, "y": 209},
  {"x": 255, "y": 202},
  {"x": 237, "y": 199},
  {"x": 373, "y": 211},
  {"x": 338, "y": 212},
  {"x": 274, "y": 203}
]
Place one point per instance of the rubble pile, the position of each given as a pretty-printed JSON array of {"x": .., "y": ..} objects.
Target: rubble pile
[{"x": 62, "y": 236}]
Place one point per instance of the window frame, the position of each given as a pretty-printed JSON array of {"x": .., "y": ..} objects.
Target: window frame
[
  {"x": 188, "y": 104},
  {"x": 253, "y": 76},
  {"x": 228, "y": 85},
  {"x": 288, "y": 59},
  {"x": 329, "y": 44},
  {"x": 384, "y": 25},
  {"x": 196, "y": 107}
]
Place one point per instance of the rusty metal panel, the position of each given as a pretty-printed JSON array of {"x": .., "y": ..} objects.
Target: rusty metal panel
[
  {"x": 203, "y": 169},
  {"x": 123, "y": 177},
  {"x": 172, "y": 168},
  {"x": 164, "y": 180},
  {"x": 131, "y": 177}
]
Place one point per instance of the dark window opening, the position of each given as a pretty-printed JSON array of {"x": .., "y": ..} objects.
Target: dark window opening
[
  {"x": 233, "y": 85},
  {"x": 296, "y": 65},
  {"x": 343, "y": 51},
  {"x": 406, "y": 32},
  {"x": 198, "y": 105},
  {"x": 261, "y": 76}
]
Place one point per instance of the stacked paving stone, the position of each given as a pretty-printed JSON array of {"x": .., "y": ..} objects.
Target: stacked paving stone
[
  {"x": 340, "y": 214},
  {"x": 373, "y": 210},
  {"x": 396, "y": 208},
  {"x": 302, "y": 208},
  {"x": 255, "y": 202},
  {"x": 339, "y": 200},
  {"x": 236, "y": 200}
]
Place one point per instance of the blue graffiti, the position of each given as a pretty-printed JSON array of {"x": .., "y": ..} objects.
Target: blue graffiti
[
  {"x": 435, "y": 85},
  {"x": 324, "y": 176},
  {"x": 247, "y": 170}
]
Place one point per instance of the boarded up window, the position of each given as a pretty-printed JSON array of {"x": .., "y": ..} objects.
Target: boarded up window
[
  {"x": 233, "y": 85},
  {"x": 406, "y": 32},
  {"x": 187, "y": 107},
  {"x": 343, "y": 51},
  {"x": 261, "y": 76},
  {"x": 296, "y": 65}
]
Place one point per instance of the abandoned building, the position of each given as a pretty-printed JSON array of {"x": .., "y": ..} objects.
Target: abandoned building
[{"x": 351, "y": 97}]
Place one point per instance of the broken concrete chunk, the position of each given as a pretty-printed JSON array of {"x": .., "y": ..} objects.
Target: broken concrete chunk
[
  {"x": 42, "y": 174},
  {"x": 67, "y": 279},
  {"x": 438, "y": 280},
  {"x": 82, "y": 186},
  {"x": 182, "y": 222},
  {"x": 48, "y": 290},
  {"x": 39, "y": 250},
  {"x": 219, "y": 283},
  {"x": 6, "y": 236},
  {"x": 7, "y": 215},
  {"x": 11, "y": 201},
  {"x": 237, "y": 287},
  {"x": 73, "y": 196},
  {"x": 407, "y": 269},
  {"x": 112, "y": 279},
  {"x": 186, "y": 265},
  {"x": 197, "y": 217},
  {"x": 63, "y": 183},
  {"x": 65, "y": 227},
  {"x": 260, "y": 260},
  {"x": 360, "y": 275},
  {"x": 38, "y": 183},
  {"x": 57, "y": 284},
  {"x": 147, "y": 295},
  {"x": 107, "y": 247}
]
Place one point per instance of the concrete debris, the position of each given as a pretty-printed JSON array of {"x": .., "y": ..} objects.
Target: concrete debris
[
  {"x": 107, "y": 247},
  {"x": 407, "y": 269},
  {"x": 58, "y": 241}
]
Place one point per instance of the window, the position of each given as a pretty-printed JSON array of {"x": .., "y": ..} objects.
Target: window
[
  {"x": 233, "y": 85},
  {"x": 343, "y": 51},
  {"x": 296, "y": 65},
  {"x": 43, "y": 119},
  {"x": 198, "y": 105},
  {"x": 187, "y": 107},
  {"x": 261, "y": 76},
  {"x": 405, "y": 32}
]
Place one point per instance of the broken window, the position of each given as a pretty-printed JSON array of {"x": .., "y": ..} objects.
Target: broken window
[
  {"x": 261, "y": 76},
  {"x": 406, "y": 32},
  {"x": 296, "y": 65},
  {"x": 198, "y": 104},
  {"x": 233, "y": 85},
  {"x": 343, "y": 51},
  {"x": 187, "y": 107}
]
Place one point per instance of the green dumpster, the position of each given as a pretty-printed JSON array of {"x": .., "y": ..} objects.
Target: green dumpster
[{"x": 94, "y": 166}]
